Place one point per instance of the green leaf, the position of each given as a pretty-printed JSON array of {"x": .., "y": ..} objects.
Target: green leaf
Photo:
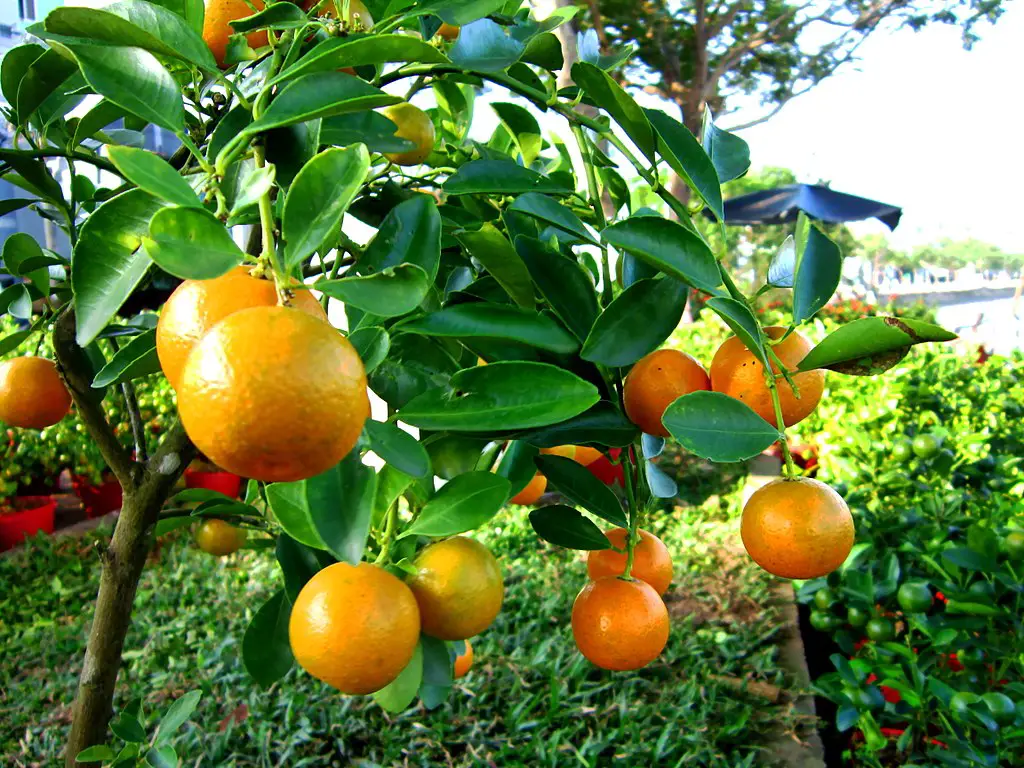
[
  {"x": 871, "y": 345},
  {"x": 729, "y": 153},
  {"x": 14, "y": 67},
  {"x": 134, "y": 79},
  {"x": 463, "y": 12},
  {"x": 34, "y": 172},
  {"x": 95, "y": 754},
  {"x": 108, "y": 262},
  {"x": 662, "y": 486},
  {"x": 636, "y": 323},
  {"x": 486, "y": 47},
  {"x": 162, "y": 757},
  {"x": 320, "y": 94},
  {"x": 398, "y": 448},
  {"x": 465, "y": 502},
  {"x": 545, "y": 51},
  {"x": 410, "y": 233},
  {"x": 580, "y": 486},
  {"x": 495, "y": 321},
  {"x": 23, "y": 257},
  {"x": 319, "y": 197},
  {"x": 266, "y": 652},
  {"x": 819, "y": 265},
  {"x": 16, "y": 301},
  {"x": 452, "y": 455},
  {"x": 42, "y": 77},
  {"x": 191, "y": 243},
  {"x": 400, "y": 692},
  {"x": 136, "y": 359},
  {"x": 153, "y": 174},
  {"x": 372, "y": 344},
  {"x": 127, "y": 728},
  {"x": 552, "y": 212},
  {"x": 14, "y": 204},
  {"x": 299, "y": 563},
  {"x": 176, "y": 715},
  {"x": 718, "y": 427},
  {"x": 336, "y": 53},
  {"x": 566, "y": 527},
  {"x": 437, "y": 671},
  {"x": 517, "y": 465},
  {"x": 602, "y": 425},
  {"x": 277, "y": 16},
  {"x": 255, "y": 183},
  {"x": 609, "y": 95},
  {"x": 12, "y": 341},
  {"x": 136, "y": 24},
  {"x": 524, "y": 128},
  {"x": 564, "y": 284},
  {"x": 234, "y": 122},
  {"x": 685, "y": 156},
  {"x": 492, "y": 249},
  {"x": 393, "y": 292},
  {"x": 391, "y": 484},
  {"x": 669, "y": 246},
  {"x": 503, "y": 395},
  {"x": 741, "y": 320},
  {"x": 500, "y": 177}
]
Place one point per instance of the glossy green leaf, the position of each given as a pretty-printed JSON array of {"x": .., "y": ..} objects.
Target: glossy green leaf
[
  {"x": 729, "y": 153},
  {"x": 398, "y": 448},
  {"x": 134, "y": 79},
  {"x": 176, "y": 715},
  {"x": 718, "y": 427},
  {"x": 602, "y": 89},
  {"x": 465, "y": 502},
  {"x": 741, "y": 320},
  {"x": 545, "y": 51},
  {"x": 636, "y": 323},
  {"x": 14, "y": 204},
  {"x": 437, "y": 671},
  {"x": 500, "y": 177},
  {"x": 16, "y": 301},
  {"x": 668, "y": 246},
  {"x": 12, "y": 341},
  {"x": 686, "y": 157},
  {"x": 395, "y": 291},
  {"x": 163, "y": 756},
  {"x": 566, "y": 527},
  {"x": 137, "y": 358},
  {"x": 453, "y": 455},
  {"x": 191, "y": 243},
  {"x": 524, "y": 128},
  {"x": 662, "y": 485},
  {"x": 13, "y": 68},
  {"x": 372, "y": 344},
  {"x": 319, "y": 197},
  {"x": 414, "y": 365},
  {"x": 320, "y": 94},
  {"x": 234, "y": 122},
  {"x": 486, "y": 46},
  {"x": 277, "y": 16},
  {"x": 410, "y": 233},
  {"x": 34, "y": 172},
  {"x": 98, "y": 753},
  {"x": 266, "y": 652},
  {"x": 517, "y": 465},
  {"x": 871, "y": 345},
  {"x": 43, "y": 76},
  {"x": 153, "y": 174},
  {"x": 255, "y": 183},
  {"x": 564, "y": 284},
  {"x": 580, "y": 486},
  {"x": 391, "y": 484},
  {"x": 819, "y": 266},
  {"x": 400, "y": 692},
  {"x": 783, "y": 264},
  {"x": 339, "y": 52},
  {"x": 495, "y": 321},
  {"x": 299, "y": 563},
  {"x": 108, "y": 261},
  {"x": 552, "y": 212},
  {"x": 503, "y": 395},
  {"x": 492, "y": 249},
  {"x": 602, "y": 425}
]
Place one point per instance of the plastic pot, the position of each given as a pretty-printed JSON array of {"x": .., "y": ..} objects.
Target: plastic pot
[
  {"x": 227, "y": 483},
  {"x": 36, "y": 514}
]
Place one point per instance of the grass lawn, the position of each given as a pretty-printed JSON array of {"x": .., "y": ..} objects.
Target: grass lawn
[{"x": 531, "y": 699}]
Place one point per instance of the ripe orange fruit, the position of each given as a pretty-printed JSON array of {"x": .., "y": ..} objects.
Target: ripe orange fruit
[
  {"x": 219, "y": 538},
  {"x": 619, "y": 624},
  {"x": 217, "y": 26},
  {"x": 197, "y": 305},
  {"x": 651, "y": 561},
  {"x": 586, "y": 455},
  {"x": 655, "y": 381},
  {"x": 797, "y": 528},
  {"x": 273, "y": 394},
  {"x": 458, "y": 586},
  {"x": 464, "y": 662},
  {"x": 449, "y": 32},
  {"x": 568, "y": 451},
  {"x": 737, "y": 373},
  {"x": 415, "y": 125},
  {"x": 358, "y": 13},
  {"x": 32, "y": 394},
  {"x": 532, "y": 492},
  {"x": 355, "y": 627}
]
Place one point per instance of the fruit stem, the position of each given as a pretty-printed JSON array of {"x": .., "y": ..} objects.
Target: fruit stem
[
  {"x": 390, "y": 524},
  {"x": 773, "y": 389},
  {"x": 629, "y": 465},
  {"x": 595, "y": 203}
]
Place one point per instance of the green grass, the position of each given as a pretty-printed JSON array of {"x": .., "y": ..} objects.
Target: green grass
[{"x": 531, "y": 699}]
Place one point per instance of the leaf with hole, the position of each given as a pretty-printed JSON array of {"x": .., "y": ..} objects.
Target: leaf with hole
[{"x": 871, "y": 345}]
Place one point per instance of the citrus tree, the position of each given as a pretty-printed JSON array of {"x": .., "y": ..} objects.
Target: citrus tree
[{"x": 510, "y": 327}]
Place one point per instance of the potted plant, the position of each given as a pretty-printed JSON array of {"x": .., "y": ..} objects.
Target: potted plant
[
  {"x": 202, "y": 473},
  {"x": 22, "y": 516}
]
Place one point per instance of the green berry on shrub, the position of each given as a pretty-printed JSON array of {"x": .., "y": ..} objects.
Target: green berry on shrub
[
  {"x": 857, "y": 617},
  {"x": 914, "y": 597},
  {"x": 824, "y": 598},
  {"x": 880, "y": 630},
  {"x": 925, "y": 446}
]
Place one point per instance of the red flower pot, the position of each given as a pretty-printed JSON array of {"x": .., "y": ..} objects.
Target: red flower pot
[
  {"x": 100, "y": 499},
  {"x": 227, "y": 483},
  {"x": 36, "y": 515}
]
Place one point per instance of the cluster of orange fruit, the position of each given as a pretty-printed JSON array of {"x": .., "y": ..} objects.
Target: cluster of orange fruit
[
  {"x": 356, "y": 627},
  {"x": 32, "y": 393}
]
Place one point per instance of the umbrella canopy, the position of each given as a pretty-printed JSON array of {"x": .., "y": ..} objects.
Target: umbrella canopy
[{"x": 783, "y": 204}]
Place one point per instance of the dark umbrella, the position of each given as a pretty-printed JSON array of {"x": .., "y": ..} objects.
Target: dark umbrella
[{"x": 783, "y": 204}]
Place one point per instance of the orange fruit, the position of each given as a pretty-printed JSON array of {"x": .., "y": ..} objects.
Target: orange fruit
[
  {"x": 619, "y": 624},
  {"x": 568, "y": 451},
  {"x": 197, "y": 305},
  {"x": 448, "y": 31},
  {"x": 586, "y": 455},
  {"x": 737, "y": 373},
  {"x": 655, "y": 381},
  {"x": 458, "y": 586},
  {"x": 355, "y": 627},
  {"x": 219, "y": 538},
  {"x": 415, "y": 125},
  {"x": 217, "y": 26},
  {"x": 32, "y": 394},
  {"x": 358, "y": 13},
  {"x": 464, "y": 662},
  {"x": 273, "y": 394},
  {"x": 532, "y": 492},
  {"x": 797, "y": 528},
  {"x": 651, "y": 561}
]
